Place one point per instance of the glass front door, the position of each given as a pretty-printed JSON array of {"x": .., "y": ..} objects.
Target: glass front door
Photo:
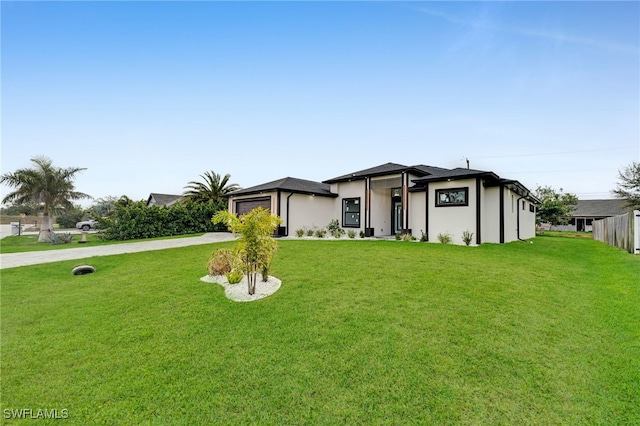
[{"x": 397, "y": 217}]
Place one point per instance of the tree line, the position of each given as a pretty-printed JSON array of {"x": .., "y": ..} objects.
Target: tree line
[{"x": 50, "y": 190}]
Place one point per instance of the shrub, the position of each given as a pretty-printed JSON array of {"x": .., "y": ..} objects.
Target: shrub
[
  {"x": 235, "y": 276},
  {"x": 467, "y": 237},
  {"x": 58, "y": 238},
  {"x": 398, "y": 237},
  {"x": 300, "y": 232},
  {"x": 310, "y": 232},
  {"x": 351, "y": 233},
  {"x": 320, "y": 233},
  {"x": 362, "y": 234},
  {"x": 423, "y": 238},
  {"x": 337, "y": 233},
  {"x": 445, "y": 238},
  {"x": 408, "y": 237},
  {"x": 136, "y": 220},
  {"x": 222, "y": 262}
]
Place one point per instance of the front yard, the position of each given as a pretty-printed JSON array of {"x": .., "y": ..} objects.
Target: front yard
[{"x": 361, "y": 332}]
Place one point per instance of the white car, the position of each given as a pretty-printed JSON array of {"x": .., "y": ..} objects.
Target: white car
[{"x": 85, "y": 225}]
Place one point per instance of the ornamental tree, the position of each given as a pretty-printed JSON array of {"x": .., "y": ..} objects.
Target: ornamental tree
[
  {"x": 629, "y": 185},
  {"x": 555, "y": 206},
  {"x": 256, "y": 243},
  {"x": 46, "y": 185}
]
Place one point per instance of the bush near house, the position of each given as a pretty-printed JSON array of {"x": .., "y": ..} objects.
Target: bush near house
[{"x": 140, "y": 221}]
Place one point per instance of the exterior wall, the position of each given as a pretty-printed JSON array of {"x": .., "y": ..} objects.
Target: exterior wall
[
  {"x": 527, "y": 220},
  {"x": 417, "y": 214},
  {"x": 381, "y": 211},
  {"x": 490, "y": 200},
  {"x": 452, "y": 220},
  {"x": 354, "y": 189},
  {"x": 305, "y": 211}
]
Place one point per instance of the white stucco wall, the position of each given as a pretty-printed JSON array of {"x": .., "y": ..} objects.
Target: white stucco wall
[
  {"x": 352, "y": 189},
  {"x": 490, "y": 201},
  {"x": 452, "y": 220},
  {"x": 417, "y": 213},
  {"x": 306, "y": 211}
]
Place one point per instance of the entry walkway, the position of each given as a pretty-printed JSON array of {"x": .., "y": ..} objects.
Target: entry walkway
[{"x": 13, "y": 260}]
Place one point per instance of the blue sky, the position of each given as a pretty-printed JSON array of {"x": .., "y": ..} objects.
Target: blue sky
[{"x": 150, "y": 95}]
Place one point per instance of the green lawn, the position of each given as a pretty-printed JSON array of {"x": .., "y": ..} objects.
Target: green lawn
[
  {"x": 25, "y": 243},
  {"x": 361, "y": 332}
]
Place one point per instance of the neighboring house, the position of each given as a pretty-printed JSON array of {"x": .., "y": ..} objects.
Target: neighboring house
[
  {"x": 587, "y": 211},
  {"x": 161, "y": 200},
  {"x": 395, "y": 199}
]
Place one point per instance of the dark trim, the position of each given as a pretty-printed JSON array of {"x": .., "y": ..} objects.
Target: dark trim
[
  {"x": 478, "y": 213},
  {"x": 426, "y": 211},
  {"x": 367, "y": 203},
  {"x": 287, "y": 230},
  {"x": 278, "y": 196},
  {"x": 466, "y": 197},
  {"x": 518, "y": 218},
  {"x": 501, "y": 214}
]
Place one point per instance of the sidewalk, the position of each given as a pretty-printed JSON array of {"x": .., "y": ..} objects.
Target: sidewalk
[{"x": 13, "y": 260}]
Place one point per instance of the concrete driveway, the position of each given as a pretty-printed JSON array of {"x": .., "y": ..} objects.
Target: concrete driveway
[{"x": 13, "y": 260}]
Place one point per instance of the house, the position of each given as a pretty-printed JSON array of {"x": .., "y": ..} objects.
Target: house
[
  {"x": 161, "y": 200},
  {"x": 587, "y": 211},
  {"x": 394, "y": 199}
]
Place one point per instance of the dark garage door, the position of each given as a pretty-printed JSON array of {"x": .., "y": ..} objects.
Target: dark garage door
[{"x": 245, "y": 206}]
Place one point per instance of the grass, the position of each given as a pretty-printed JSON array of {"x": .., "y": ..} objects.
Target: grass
[
  {"x": 26, "y": 243},
  {"x": 361, "y": 332}
]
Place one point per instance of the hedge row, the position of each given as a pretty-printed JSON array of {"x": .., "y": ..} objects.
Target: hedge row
[{"x": 139, "y": 221}]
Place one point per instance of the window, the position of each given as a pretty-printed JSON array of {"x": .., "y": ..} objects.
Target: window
[
  {"x": 351, "y": 212},
  {"x": 452, "y": 197},
  {"x": 532, "y": 208}
]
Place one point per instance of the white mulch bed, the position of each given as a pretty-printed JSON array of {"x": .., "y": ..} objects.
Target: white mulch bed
[{"x": 239, "y": 292}]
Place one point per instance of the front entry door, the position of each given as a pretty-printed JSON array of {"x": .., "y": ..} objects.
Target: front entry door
[{"x": 397, "y": 217}]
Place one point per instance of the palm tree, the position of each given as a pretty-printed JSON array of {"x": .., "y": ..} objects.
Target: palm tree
[
  {"x": 47, "y": 185},
  {"x": 213, "y": 188}
]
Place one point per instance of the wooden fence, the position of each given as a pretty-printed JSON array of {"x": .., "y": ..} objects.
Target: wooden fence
[{"x": 620, "y": 231}]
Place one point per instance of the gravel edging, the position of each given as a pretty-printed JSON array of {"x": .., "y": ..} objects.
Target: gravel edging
[{"x": 239, "y": 293}]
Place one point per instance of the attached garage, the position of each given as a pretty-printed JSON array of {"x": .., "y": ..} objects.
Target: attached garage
[{"x": 246, "y": 205}]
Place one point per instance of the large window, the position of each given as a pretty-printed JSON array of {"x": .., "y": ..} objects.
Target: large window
[
  {"x": 452, "y": 197},
  {"x": 351, "y": 212}
]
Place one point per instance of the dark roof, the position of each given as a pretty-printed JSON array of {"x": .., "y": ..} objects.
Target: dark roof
[
  {"x": 439, "y": 175},
  {"x": 163, "y": 199},
  {"x": 600, "y": 208},
  {"x": 386, "y": 169},
  {"x": 288, "y": 184}
]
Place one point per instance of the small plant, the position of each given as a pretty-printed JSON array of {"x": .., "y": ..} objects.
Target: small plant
[
  {"x": 408, "y": 237},
  {"x": 310, "y": 232},
  {"x": 57, "y": 238},
  {"x": 398, "y": 236},
  {"x": 334, "y": 228},
  {"x": 467, "y": 237},
  {"x": 222, "y": 262},
  {"x": 351, "y": 233},
  {"x": 445, "y": 238},
  {"x": 235, "y": 276},
  {"x": 424, "y": 237},
  {"x": 300, "y": 232},
  {"x": 362, "y": 234},
  {"x": 320, "y": 233}
]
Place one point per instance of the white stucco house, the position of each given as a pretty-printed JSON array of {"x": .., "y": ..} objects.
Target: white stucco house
[{"x": 392, "y": 198}]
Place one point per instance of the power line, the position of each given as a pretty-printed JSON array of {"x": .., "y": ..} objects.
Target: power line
[{"x": 550, "y": 153}]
